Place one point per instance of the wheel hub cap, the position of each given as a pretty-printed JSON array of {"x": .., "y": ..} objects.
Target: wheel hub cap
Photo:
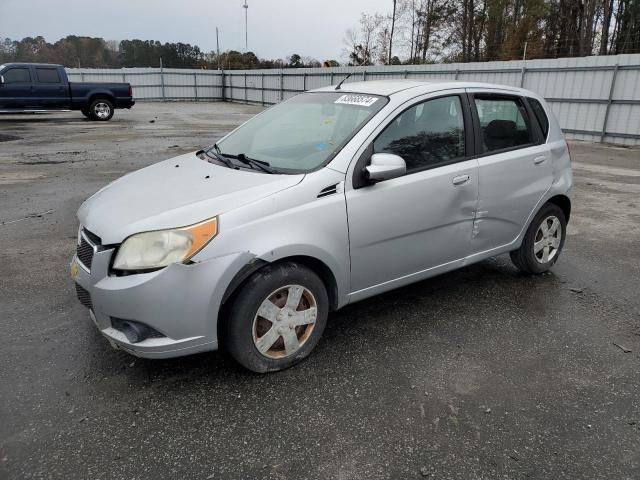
[
  {"x": 102, "y": 110},
  {"x": 284, "y": 321},
  {"x": 547, "y": 240}
]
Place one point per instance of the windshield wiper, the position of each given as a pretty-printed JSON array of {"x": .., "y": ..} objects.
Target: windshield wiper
[
  {"x": 262, "y": 165},
  {"x": 224, "y": 158},
  {"x": 219, "y": 157}
]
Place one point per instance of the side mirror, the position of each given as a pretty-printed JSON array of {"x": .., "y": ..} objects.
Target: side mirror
[{"x": 385, "y": 166}]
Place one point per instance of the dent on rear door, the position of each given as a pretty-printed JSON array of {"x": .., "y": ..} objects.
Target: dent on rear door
[{"x": 511, "y": 187}]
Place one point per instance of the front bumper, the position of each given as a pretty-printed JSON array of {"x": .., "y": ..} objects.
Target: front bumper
[{"x": 181, "y": 302}]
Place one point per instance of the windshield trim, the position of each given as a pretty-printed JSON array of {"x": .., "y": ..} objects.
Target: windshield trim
[{"x": 339, "y": 148}]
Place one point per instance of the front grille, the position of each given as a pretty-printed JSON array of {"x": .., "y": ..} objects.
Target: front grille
[
  {"x": 85, "y": 252},
  {"x": 84, "y": 297}
]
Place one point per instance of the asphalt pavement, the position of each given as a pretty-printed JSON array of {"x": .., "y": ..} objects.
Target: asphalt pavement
[{"x": 483, "y": 373}]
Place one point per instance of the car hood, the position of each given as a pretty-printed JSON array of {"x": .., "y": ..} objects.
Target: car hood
[{"x": 177, "y": 192}]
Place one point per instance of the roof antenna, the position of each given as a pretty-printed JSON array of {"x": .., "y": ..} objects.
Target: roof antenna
[{"x": 340, "y": 84}]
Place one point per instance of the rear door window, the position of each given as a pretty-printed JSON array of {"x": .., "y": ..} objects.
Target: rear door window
[
  {"x": 47, "y": 75},
  {"x": 504, "y": 123},
  {"x": 17, "y": 75}
]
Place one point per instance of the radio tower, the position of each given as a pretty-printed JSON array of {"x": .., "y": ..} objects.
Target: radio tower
[{"x": 246, "y": 27}]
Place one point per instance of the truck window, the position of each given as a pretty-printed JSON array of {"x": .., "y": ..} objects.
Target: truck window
[
  {"x": 17, "y": 75},
  {"x": 47, "y": 75}
]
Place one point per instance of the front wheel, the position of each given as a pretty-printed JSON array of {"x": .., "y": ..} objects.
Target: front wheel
[
  {"x": 543, "y": 241},
  {"x": 277, "y": 317},
  {"x": 101, "y": 110}
]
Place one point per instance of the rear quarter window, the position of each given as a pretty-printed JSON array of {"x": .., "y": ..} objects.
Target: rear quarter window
[
  {"x": 540, "y": 114},
  {"x": 47, "y": 75}
]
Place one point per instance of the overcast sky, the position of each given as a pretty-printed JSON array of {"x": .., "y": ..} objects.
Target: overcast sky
[{"x": 277, "y": 28}]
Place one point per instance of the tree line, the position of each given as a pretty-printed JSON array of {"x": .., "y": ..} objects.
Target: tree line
[
  {"x": 428, "y": 31},
  {"x": 91, "y": 52},
  {"x": 411, "y": 32}
]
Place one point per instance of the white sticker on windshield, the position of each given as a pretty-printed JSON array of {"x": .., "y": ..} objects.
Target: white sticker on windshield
[{"x": 355, "y": 99}]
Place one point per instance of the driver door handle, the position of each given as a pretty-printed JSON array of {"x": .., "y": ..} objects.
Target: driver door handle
[
  {"x": 461, "y": 179},
  {"x": 539, "y": 160}
]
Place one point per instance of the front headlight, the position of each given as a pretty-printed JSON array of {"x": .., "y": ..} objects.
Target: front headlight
[{"x": 160, "y": 248}]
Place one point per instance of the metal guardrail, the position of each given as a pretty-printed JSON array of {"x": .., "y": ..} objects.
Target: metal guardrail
[{"x": 234, "y": 86}]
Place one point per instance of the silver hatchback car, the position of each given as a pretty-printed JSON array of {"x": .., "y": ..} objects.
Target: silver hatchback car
[{"x": 326, "y": 199}]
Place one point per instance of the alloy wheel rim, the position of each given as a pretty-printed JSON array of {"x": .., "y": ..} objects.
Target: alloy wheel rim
[
  {"x": 284, "y": 321},
  {"x": 547, "y": 240},
  {"x": 102, "y": 110}
]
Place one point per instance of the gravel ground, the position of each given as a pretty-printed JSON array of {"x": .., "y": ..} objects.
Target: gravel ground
[{"x": 481, "y": 373}]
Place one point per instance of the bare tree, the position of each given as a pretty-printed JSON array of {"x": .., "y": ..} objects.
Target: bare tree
[
  {"x": 362, "y": 45},
  {"x": 393, "y": 25}
]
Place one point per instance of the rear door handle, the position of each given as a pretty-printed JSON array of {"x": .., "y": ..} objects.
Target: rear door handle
[
  {"x": 539, "y": 160},
  {"x": 461, "y": 179}
]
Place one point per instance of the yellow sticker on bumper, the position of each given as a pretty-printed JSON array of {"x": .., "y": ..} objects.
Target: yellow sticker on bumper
[{"x": 74, "y": 269}]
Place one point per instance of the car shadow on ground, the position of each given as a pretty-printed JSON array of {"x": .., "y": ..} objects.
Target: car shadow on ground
[
  {"x": 11, "y": 118},
  {"x": 375, "y": 323},
  {"x": 57, "y": 120}
]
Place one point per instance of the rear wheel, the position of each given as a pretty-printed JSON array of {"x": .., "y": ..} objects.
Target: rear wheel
[
  {"x": 277, "y": 317},
  {"x": 543, "y": 241},
  {"x": 101, "y": 110}
]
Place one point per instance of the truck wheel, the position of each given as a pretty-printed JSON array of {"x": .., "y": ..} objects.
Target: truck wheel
[
  {"x": 543, "y": 241},
  {"x": 101, "y": 109},
  {"x": 277, "y": 317}
]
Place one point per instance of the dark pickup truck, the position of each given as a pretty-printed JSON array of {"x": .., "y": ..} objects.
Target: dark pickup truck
[{"x": 37, "y": 87}]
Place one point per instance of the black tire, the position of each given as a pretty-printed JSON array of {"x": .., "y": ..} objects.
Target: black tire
[
  {"x": 240, "y": 333},
  {"x": 529, "y": 261},
  {"x": 101, "y": 110},
  {"x": 85, "y": 112}
]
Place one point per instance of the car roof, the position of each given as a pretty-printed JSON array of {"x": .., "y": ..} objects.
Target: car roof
[{"x": 390, "y": 87}]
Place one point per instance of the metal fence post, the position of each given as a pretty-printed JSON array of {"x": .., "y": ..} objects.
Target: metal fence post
[
  {"x": 606, "y": 112},
  {"x": 81, "y": 76},
  {"x": 522, "y": 73},
  {"x": 281, "y": 85},
  {"x": 406, "y": 73},
  {"x": 162, "y": 79},
  {"x": 195, "y": 85},
  {"x": 262, "y": 88},
  {"x": 331, "y": 79},
  {"x": 124, "y": 80},
  {"x": 457, "y": 73},
  {"x": 304, "y": 82},
  {"x": 246, "y": 98},
  {"x": 364, "y": 75},
  {"x": 223, "y": 81}
]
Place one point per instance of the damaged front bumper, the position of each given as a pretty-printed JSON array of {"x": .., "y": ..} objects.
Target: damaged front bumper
[{"x": 178, "y": 305}]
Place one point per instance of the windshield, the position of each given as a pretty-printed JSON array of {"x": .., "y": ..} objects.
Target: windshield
[{"x": 303, "y": 133}]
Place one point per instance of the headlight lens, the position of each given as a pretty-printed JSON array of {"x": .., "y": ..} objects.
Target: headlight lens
[{"x": 158, "y": 249}]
